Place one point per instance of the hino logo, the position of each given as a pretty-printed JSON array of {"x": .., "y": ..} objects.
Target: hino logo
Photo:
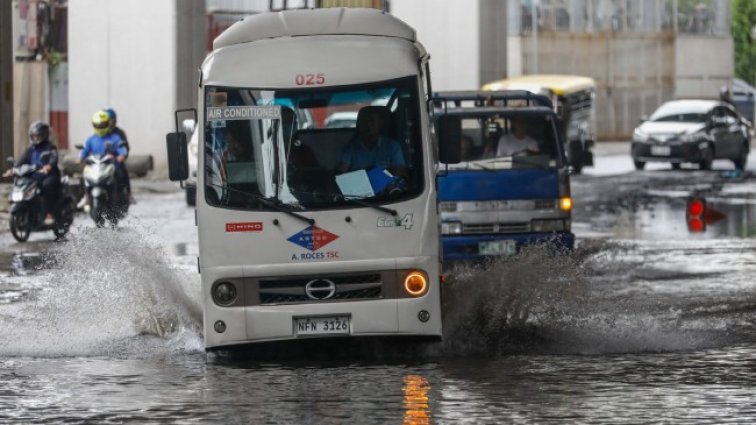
[{"x": 320, "y": 289}]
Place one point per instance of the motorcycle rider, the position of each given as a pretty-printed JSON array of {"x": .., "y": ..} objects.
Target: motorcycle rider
[
  {"x": 122, "y": 134},
  {"x": 43, "y": 155},
  {"x": 102, "y": 140}
]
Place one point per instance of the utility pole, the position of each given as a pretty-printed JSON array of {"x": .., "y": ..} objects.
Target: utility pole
[
  {"x": 6, "y": 79},
  {"x": 534, "y": 34}
]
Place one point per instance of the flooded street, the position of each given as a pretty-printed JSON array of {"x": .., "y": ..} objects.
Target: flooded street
[{"x": 650, "y": 320}]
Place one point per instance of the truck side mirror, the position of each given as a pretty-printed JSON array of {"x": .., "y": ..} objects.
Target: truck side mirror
[
  {"x": 178, "y": 156},
  {"x": 449, "y": 139}
]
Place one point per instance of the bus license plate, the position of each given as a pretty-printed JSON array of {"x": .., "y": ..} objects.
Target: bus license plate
[
  {"x": 505, "y": 247},
  {"x": 660, "y": 150},
  {"x": 337, "y": 325}
]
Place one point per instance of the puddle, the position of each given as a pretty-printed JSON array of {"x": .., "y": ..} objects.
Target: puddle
[
  {"x": 21, "y": 263},
  {"x": 689, "y": 218}
]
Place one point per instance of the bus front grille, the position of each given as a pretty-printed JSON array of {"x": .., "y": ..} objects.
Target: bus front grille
[{"x": 288, "y": 291}]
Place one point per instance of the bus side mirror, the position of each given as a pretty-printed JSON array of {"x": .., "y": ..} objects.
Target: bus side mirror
[
  {"x": 449, "y": 139},
  {"x": 178, "y": 157}
]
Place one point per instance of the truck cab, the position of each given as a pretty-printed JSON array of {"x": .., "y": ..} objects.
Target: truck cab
[{"x": 511, "y": 186}]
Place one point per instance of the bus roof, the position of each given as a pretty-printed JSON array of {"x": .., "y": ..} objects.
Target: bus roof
[
  {"x": 304, "y": 22},
  {"x": 560, "y": 85}
]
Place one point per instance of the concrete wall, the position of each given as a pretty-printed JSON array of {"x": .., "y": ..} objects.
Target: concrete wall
[
  {"x": 6, "y": 81},
  {"x": 31, "y": 93},
  {"x": 493, "y": 40},
  {"x": 701, "y": 75},
  {"x": 127, "y": 55},
  {"x": 449, "y": 30},
  {"x": 634, "y": 72}
]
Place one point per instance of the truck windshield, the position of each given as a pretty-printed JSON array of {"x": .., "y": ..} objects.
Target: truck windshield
[
  {"x": 519, "y": 141},
  {"x": 312, "y": 148}
]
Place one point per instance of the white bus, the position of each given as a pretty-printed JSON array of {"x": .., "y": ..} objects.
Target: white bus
[{"x": 307, "y": 231}]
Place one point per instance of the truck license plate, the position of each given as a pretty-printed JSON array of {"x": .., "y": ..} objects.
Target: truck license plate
[
  {"x": 505, "y": 247},
  {"x": 660, "y": 150},
  {"x": 336, "y": 325}
]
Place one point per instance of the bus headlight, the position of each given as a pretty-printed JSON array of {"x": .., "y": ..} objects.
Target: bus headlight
[
  {"x": 548, "y": 225},
  {"x": 447, "y": 206},
  {"x": 416, "y": 283},
  {"x": 224, "y": 293},
  {"x": 451, "y": 228}
]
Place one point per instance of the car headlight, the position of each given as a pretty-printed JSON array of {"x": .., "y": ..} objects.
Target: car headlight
[
  {"x": 549, "y": 225},
  {"x": 451, "y": 228},
  {"x": 639, "y": 135},
  {"x": 695, "y": 137}
]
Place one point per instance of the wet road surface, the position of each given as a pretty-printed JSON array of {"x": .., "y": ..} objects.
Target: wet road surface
[{"x": 648, "y": 321}]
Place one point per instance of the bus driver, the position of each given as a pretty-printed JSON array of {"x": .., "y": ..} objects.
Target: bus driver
[{"x": 369, "y": 148}]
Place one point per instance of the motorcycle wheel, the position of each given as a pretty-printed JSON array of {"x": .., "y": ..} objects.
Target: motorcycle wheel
[
  {"x": 65, "y": 219},
  {"x": 20, "y": 225},
  {"x": 97, "y": 212}
]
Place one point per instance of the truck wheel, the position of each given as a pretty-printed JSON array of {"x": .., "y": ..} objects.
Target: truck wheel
[
  {"x": 191, "y": 196},
  {"x": 639, "y": 165},
  {"x": 576, "y": 156}
]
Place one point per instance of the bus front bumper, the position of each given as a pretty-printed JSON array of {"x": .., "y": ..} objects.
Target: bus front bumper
[{"x": 391, "y": 317}]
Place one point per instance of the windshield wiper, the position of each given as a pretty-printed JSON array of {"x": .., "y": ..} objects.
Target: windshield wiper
[
  {"x": 268, "y": 202},
  {"x": 359, "y": 201},
  {"x": 356, "y": 201}
]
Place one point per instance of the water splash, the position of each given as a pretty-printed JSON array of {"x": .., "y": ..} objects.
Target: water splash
[
  {"x": 539, "y": 302},
  {"x": 109, "y": 292}
]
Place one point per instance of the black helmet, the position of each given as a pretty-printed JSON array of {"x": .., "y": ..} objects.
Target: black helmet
[{"x": 38, "y": 132}]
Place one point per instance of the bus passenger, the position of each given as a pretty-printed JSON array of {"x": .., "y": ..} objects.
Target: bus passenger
[{"x": 369, "y": 148}]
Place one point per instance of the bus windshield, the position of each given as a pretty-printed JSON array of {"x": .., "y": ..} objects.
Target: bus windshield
[
  {"x": 517, "y": 141},
  {"x": 311, "y": 148}
]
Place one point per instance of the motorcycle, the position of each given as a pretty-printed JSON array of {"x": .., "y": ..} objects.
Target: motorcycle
[
  {"x": 27, "y": 213},
  {"x": 106, "y": 199}
]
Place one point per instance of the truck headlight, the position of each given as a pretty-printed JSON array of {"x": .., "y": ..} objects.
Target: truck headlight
[
  {"x": 451, "y": 228},
  {"x": 548, "y": 225}
]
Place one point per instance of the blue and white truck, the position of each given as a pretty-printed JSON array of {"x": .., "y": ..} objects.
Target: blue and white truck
[{"x": 512, "y": 185}]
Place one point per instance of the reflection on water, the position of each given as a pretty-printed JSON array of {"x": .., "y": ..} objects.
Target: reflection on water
[
  {"x": 670, "y": 218},
  {"x": 416, "y": 400}
]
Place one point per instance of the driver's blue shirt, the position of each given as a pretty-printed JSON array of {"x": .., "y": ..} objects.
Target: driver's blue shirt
[
  {"x": 385, "y": 154},
  {"x": 95, "y": 145}
]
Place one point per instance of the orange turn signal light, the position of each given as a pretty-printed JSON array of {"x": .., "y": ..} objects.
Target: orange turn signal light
[
  {"x": 416, "y": 283},
  {"x": 565, "y": 204}
]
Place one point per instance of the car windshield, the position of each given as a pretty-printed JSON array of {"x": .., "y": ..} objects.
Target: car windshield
[
  {"x": 266, "y": 147},
  {"x": 696, "y": 117},
  {"x": 509, "y": 141}
]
